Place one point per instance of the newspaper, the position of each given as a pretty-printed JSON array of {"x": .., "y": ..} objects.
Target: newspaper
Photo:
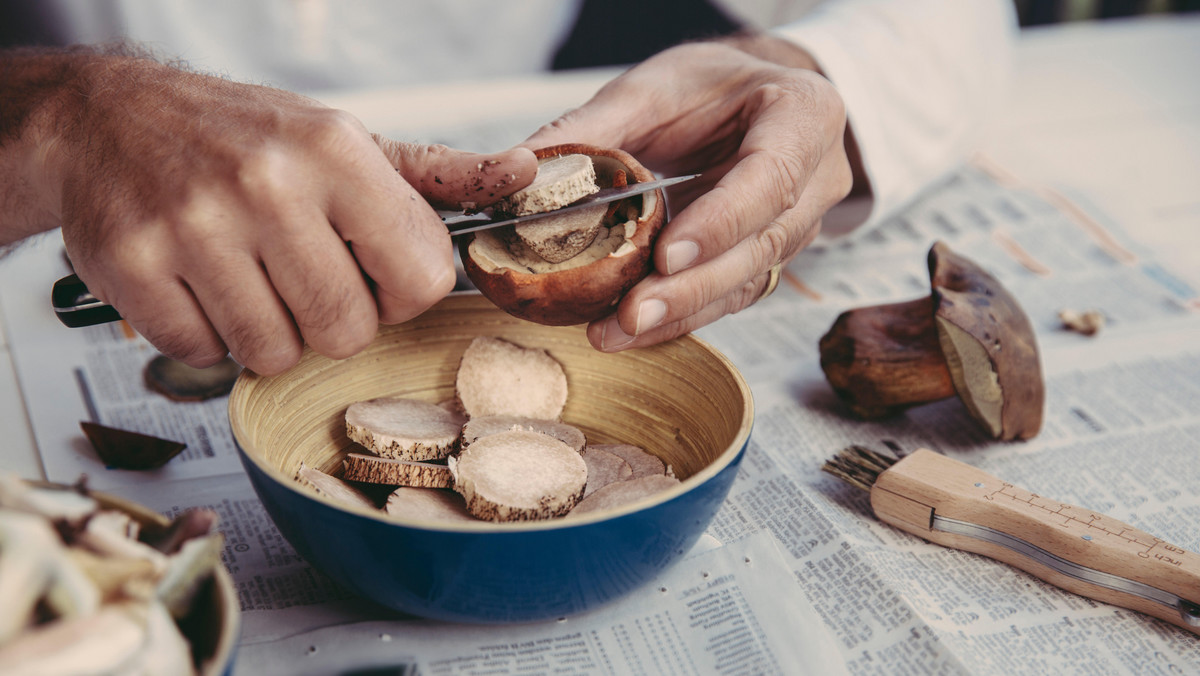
[{"x": 814, "y": 583}]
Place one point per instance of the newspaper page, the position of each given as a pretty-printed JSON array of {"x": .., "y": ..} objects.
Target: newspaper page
[{"x": 1121, "y": 436}]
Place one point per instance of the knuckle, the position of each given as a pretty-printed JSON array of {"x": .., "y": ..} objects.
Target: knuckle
[
  {"x": 334, "y": 128},
  {"x": 337, "y": 321},
  {"x": 789, "y": 176},
  {"x": 263, "y": 351},
  {"x": 773, "y": 242},
  {"x": 266, "y": 176},
  {"x": 744, "y": 296}
]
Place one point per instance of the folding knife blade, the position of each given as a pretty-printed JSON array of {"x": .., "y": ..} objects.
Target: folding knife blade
[{"x": 484, "y": 221}]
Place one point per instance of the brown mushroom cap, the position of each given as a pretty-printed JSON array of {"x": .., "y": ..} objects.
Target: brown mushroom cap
[
  {"x": 576, "y": 295},
  {"x": 989, "y": 346}
]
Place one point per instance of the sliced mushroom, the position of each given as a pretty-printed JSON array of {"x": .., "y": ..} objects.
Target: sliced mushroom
[
  {"x": 484, "y": 425},
  {"x": 496, "y": 377},
  {"x": 621, "y": 493},
  {"x": 969, "y": 337},
  {"x": 333, "y": 488},
  {"x": 519, "y": 476},
  {"x": 560, "y": 180},
  {"x": 180, "y": 382},
  {"x": 434, "y": 504},
  {"x": 373, "y": 469},
  {"x": 404, "y": 429}
]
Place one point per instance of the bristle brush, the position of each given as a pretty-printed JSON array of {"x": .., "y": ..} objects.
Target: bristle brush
[{"x": 952, "y": 504}]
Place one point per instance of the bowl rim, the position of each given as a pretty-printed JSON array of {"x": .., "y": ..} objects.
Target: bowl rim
[
  {"x": 722, "y": 461},
  {"x": 224, "y": 589}
]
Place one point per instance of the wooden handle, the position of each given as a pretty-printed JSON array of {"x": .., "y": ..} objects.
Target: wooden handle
[{"x": 931, "y": 496}]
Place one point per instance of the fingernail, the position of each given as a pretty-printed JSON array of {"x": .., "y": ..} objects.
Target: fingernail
[
  {"x": 650, "y": 314},
  {"x": 680, "y": 255},
  {"x": 612, "y": 337}
]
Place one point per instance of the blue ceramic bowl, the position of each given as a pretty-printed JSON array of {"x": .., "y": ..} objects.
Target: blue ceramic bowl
[{"x": 682, "y": 401}]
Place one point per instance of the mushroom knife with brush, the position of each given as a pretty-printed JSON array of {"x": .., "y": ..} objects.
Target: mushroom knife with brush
[{"x": 953, "y": 504}]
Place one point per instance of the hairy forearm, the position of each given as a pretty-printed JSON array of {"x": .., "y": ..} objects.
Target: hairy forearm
[
  {"x": 36, "y": 86},
  {"x": 44, "y": 93}
]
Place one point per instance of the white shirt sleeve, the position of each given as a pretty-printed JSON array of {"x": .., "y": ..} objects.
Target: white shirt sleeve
[{"x": 919, "y": 79}]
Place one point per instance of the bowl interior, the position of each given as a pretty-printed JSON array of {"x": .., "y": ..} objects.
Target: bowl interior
[{"x": 682, "y": 400}]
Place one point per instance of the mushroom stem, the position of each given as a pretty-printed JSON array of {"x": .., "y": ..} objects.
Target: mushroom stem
[{"x": 884, "y": 359}]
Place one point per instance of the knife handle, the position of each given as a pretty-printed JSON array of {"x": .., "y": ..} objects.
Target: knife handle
[
  {"x": 956, "y": 505},
  {"x": 75, "y": 306}
]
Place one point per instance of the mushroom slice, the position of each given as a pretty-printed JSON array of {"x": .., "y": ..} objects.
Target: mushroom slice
[
  {"x": 333, "y": 488},
  {"x": 376, "y": 470},
  {"x": 560, "y": 180},
  {"x": 193, "y": 523},
  {"x": 69, "y": 507},
  {"x": 604, "y": 468},
  {"x": 641, "y": 462},
  {"x": 180, "y": 382},
  {"x": 496, "y": 377},
  {"x": 491, "y": 424},
  {"x": 562, "y": 236},
  {"x": 519, "y": 476},
  {"x": 624, "y": 492},
  {"x": 187, "y": 571},
  {"x": 30, "y": 552},
  {"x": 434, "y": 504},
  {"x": 406, "y": 429},
  {"x": 102, "y": 642},
  {"x": 968, "y": 337}
]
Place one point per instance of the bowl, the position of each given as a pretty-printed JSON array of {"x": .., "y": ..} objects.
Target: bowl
[
  {"x": 213, "y": 626},
  {"x": 681, "y": 400}
]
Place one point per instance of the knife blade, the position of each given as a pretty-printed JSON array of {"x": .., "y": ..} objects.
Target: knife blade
[{"x": 485, "y": 221}]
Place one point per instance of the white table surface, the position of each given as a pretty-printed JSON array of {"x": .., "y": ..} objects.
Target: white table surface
[{"x": 1107, "y": 110}]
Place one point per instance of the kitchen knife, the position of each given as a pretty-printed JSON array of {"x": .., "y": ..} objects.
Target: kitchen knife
[{"x": 75, "y": 306}]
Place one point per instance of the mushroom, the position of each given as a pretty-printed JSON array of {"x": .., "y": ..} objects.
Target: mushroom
[
  {"x": 123, "y": 449},
  {"x": 968, "y": 337},
  {"x": 83, "y": 595},
  {"x": 579, "y": 286}
]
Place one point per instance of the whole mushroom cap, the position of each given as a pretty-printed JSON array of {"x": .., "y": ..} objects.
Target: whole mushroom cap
[
  {"x": 576, "y": 295},
  {"x": 989, "y": 345}
]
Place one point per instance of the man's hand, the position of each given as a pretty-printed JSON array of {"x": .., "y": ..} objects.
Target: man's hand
[
  {"x": 769, "y": 141},
  {"x": 220, "y": 216}
]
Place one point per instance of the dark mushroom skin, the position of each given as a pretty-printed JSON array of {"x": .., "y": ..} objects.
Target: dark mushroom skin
[
  {"x": 967, "y": 298},
  {"x": 969, "y": 337}
]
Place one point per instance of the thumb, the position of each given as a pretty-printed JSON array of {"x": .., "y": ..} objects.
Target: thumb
[{"x": 448, "y": 178}]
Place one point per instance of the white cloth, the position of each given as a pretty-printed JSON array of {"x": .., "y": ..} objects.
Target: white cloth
[
  {"x": 920, "y": 80},
  {"x": 919, "y": 77},
  {"x": 306, "y": 45}
]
